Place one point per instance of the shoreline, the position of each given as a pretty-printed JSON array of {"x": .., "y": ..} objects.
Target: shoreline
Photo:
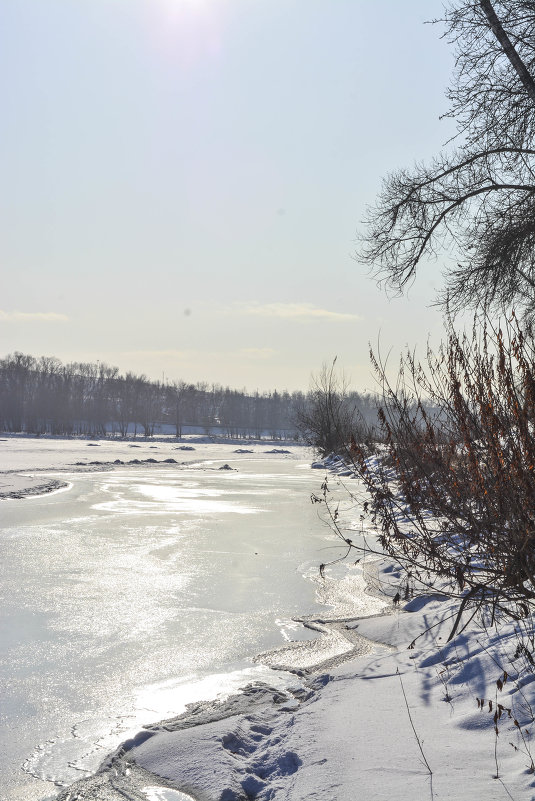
[
  {"x": 336, "y": 644},
  {"x": 27, "y": 486},
  {"x": 45, "y": 484},
  {"x": 342, "y": 729},
  {"x": 346, "y": 721},
  {"x": 345, "y": 724},
  {"x": 120, "y": 776}
]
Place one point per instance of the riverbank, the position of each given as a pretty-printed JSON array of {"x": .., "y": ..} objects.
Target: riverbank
[
  {"x": 398, "y": 722},
  {"x": 362, "y": 712}
]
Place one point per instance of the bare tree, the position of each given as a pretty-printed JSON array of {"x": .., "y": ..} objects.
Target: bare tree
[
  {"x": 452, "y": 487},
  {"x": 176, "y": 393},
  {"x": 43, "y": 396},
  {"x": 475, "y": 201},
  {"x": 327, "y": 419}
]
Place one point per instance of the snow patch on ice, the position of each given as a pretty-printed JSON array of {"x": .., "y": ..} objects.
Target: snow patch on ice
[{"x": 165, "y": 794}]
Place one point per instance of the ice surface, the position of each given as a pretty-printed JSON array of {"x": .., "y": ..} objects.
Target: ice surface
[
  {"x": 165, "y": 794},
  {"x": 139, "y": 590}
]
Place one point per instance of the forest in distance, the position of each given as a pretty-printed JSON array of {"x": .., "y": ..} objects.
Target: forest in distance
[{"x": 41, "y": 396}]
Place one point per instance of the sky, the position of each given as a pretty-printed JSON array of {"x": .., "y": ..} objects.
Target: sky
[{"x": 183, "y": 182}]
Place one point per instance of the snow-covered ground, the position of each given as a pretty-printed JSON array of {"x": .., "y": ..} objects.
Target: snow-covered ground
[
  {"x": 372, "y": 720},
  {"x": 353, "y": 732}
]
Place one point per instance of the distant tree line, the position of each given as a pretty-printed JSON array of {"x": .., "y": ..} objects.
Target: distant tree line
[{"x": 44, "y": 396}]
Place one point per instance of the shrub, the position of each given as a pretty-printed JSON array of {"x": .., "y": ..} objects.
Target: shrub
[{"x": 453, "y": 487}]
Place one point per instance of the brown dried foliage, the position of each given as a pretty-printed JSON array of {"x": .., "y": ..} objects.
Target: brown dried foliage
[{"x": 453, "y": 491}]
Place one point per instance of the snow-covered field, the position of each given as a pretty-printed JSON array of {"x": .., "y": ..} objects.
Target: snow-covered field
[{"x": 361, "y": 715}]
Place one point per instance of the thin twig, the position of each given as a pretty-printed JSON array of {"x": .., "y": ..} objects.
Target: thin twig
[{"x": 412, "y": 723}]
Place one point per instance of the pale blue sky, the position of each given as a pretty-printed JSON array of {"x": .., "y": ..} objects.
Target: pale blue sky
[{"x": 182, "y": 181}]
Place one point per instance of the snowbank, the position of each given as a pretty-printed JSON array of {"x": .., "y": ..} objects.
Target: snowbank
[
  {"x": 360, "y": 730},
  {"x": 15, "y": 485}
]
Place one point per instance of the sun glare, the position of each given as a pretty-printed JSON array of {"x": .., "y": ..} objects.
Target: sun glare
[
  {"x": 189, "y": 31},
  {"x": 177, "y": 7}
]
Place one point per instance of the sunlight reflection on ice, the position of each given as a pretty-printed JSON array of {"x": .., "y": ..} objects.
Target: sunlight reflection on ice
[
  {"x": 187, "y": 497},
  {"x": 165, "y": 794},
  {"x": 169, "y": 698},
  {"x": 139, "y": 576},
  {"x": 78, "y": 752}
]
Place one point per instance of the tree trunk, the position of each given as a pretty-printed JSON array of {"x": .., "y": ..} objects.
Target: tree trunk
[{"x": 508, "y": 48}]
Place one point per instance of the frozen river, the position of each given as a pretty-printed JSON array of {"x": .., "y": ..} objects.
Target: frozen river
[{"x": 143, "y": 588}]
